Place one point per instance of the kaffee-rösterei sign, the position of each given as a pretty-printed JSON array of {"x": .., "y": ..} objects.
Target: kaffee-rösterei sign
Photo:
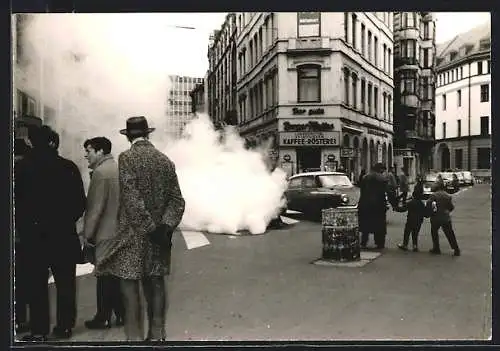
[{"x": 309, "y": 138}]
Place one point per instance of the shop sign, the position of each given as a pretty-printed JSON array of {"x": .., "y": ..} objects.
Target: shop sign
[
  {"x": 287, "y": 158},
  {"x": 377, "y": 133},
  {"x": 348, "y": 152},
  {"x": 379, "y": 153},
  {"x": 404, "y": 153},
  {"x": 310, "y": 112},
  {"x": 309, "y": 139}
]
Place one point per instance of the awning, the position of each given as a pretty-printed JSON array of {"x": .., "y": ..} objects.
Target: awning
[{"x": 355, "y": 130}]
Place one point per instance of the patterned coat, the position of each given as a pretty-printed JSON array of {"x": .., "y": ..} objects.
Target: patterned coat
[{"x": 149, "y": 196}]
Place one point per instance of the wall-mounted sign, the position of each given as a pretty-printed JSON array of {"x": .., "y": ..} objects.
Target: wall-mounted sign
[
  {"x": 311, "y": 126},
  {"x": 312, "y": 111},
  {"x": 377, "y": 133},
  {"x": 403, "y": 152},
  {"x": 287, "y": 158},
  {"x": 309, "y": 139},
  {"x": 330, "y": 157},
  {"x": 379, "y": 153},
  {"x": 348, "y": 152}
]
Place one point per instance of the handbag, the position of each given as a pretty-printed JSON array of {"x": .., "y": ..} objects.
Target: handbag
[{"x": 162, "y": 235}]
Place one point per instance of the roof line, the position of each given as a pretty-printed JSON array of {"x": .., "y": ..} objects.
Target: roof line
[{"x": 447, "y": 46}]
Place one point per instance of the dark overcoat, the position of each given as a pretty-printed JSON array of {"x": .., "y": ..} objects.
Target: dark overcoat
[
  {"x": 149, "y": 196},
  {"x": 49, "y": 199},
  {"x": 372, "y": 204}
]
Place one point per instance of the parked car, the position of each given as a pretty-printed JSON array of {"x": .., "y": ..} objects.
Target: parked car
[
  {"x": 451, "y": 183},
  {"x": 468, "y": 178},
  {"x": 460, "y": 176},
  {"x": 429, "y": 184},
  {"x": 311, "y": 192}
]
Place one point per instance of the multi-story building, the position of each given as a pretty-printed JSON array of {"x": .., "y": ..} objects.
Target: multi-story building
[
  {"x": 414, "y": 93},
  {"x": 179, "y": 111},
  {"x": 222, "y": 73},
  {"x": 198, "y": 101},
  {"x": 463, "y": 113},
  {"x": 319, "y": 85}
]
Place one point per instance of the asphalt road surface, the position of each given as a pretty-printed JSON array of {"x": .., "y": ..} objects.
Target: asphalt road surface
[{"x": 264, "y": 287}]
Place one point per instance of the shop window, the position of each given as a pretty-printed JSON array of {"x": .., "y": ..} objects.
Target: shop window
[
  {"x": 483, "y": 158},
  {"x": 309, "y": 83},
  {"x": 309, "y": 24}
]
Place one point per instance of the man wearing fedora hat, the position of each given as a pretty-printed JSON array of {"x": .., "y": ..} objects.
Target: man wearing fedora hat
[{"x": 151, "y": 207}]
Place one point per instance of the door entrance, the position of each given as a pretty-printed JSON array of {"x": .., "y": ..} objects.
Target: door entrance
[{"x": 308, "y": 158}]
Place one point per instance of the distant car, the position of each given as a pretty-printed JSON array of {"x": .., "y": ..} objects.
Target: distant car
[
  {"x": 430, "y": 180},
  {"x": 311, "y": 192},
  {"x": 468, "y": 178},
  {"x": 429, "y": 184},
  {"x": 460, "y": 176},
  {"x": 451, "y": 185}
]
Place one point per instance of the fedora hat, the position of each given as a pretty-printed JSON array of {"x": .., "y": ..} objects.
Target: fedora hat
[{"x": 136, "y": 126}]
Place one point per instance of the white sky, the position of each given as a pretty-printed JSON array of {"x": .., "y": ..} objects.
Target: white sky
[{"x": 184, "y": 51}]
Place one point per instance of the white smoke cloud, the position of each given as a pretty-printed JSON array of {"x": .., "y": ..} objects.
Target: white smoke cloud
[{"x": 227, "y": 188}]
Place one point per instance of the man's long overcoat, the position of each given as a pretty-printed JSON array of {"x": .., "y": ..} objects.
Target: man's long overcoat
[
  {"x": 372, "y": 204},
  {"x": 149, "y": 196}
]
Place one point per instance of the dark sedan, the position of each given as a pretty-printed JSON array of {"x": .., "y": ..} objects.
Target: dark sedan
[{"x": 311, "y": 192}]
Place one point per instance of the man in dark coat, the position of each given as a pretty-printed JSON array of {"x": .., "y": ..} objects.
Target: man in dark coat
[
  {"x": 372, "y": 206},
  {"x": 50, "y": 198}
]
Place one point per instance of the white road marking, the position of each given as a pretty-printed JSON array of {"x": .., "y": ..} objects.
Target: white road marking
[
  {"x": 292, "y": 212},
  {"x": 194, "y": 239},
  {"x": 289, "y": 220}
]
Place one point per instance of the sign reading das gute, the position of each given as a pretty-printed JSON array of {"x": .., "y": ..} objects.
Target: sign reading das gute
[{"x": 309, "y": 138}]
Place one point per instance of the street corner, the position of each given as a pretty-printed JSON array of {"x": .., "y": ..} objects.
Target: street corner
[{"x": 365, "y": 258}]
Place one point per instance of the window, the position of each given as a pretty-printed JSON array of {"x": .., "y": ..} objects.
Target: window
[
  {"x": 408, "y": 83},
  {"x": 375, "y": 50},
  {"x": 485, "y": 93},
  {"x": 362, "y": 39},
  {"x": 485, "y": 125},
  {"x": 295, "y": 182},
  {"x": 444, "y": 130},
  {"x": 484, "y": 44},
  {"x": 409, "y": 19},
  {"x": 444, "y": 102},
  {"x": 426, "y": 30},
  {"x": 346, "y": 30},
  {"x": 384, "y": 109},
  {"x": 426, "y": 58},
  {"x": 459, "y": 128},
  {"x": 309, "y": 84},
  {"x": 488, "y": 64},
  {"x": 354, "y": 91},
  {"x": 459, "y": 98},
  {"x": 375, "y": 101},
  {"x": 480, "y": 67},
  {"x": 408, "y": 48},
  {"x": 363, "y": 97},
  {"x": 459, "y": 158},
  {"x": 389, "y": 107},
  {"x": 354, "y": 30},
  {"x": 483, "y": 158},
  {"x": 384, "y": 57},
  {"x": 369, "y": 46},
  {"x": 389, "y": 59},
  {"x": 369, "y": 99},
  {"x": 309, "y": 24},
  {"x": 309, "y": 182},
  {"x": 346, "y": 86}
]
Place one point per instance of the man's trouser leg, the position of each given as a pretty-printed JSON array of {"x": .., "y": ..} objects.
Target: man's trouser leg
[
  {"x": 65, "y": 279},
  {"x": 39, "y": 297},
  {"x": 134, "y": 327},
  {"x": 116, "y": 297},
  {"x": 155, "y": 293},
  {"x": 416, "y": 230},
  {"x": 435, "y": 225},
  {"x": 450, "y": 235}
]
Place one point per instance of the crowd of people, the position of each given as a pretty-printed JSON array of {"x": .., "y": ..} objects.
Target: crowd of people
[
  {"x": 379, "y": 192},
  {"x": 130, "y": 212}
]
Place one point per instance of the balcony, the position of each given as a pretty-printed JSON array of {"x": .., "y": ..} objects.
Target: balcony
[
  {"x": 411, "y": 101},
  {"x": 304, "y": 45},
  {"x": 406, "y": 63}
]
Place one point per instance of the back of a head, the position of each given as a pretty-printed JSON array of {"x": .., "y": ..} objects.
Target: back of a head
[
  {"x": 99, "y": 143},
  {"x": 42, "y": 137},
  {"x": 378, "y": 167}
]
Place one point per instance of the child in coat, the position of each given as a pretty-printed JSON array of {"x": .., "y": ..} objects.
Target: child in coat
[{"x": 414, "y": 218}]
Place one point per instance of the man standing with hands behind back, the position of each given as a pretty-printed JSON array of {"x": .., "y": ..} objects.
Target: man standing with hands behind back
[{"x": 99, "y": 228}]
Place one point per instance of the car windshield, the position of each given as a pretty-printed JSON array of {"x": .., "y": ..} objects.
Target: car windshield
[
  {"x": 467, "y": 174},
  {"x": 447, "y": 175},
  {"x": 331, "y": 180}
]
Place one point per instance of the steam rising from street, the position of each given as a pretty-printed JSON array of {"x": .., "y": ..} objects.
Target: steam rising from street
[{"x": 98, "y": 71}]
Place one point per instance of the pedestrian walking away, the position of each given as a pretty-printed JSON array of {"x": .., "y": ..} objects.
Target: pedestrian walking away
[
  {"x": 151, "y": 207},
  {"x": 100, "y": 227},
  {"x": 415, "y": 217},
  {"x": 372, "y": 208},
  {"x": 439, "y": 206},
  {"x": 50, "y": 198}
]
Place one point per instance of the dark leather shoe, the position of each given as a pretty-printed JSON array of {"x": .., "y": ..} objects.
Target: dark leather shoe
[
  {"x": 435, "y": 251},
  {"x": 61, "y": 333},
  {"x": 402, "y": 247},
  {"x": 95, "y": 324},
  {"x": 34, "y": 338},
  {"x": 456, "y": 253}
]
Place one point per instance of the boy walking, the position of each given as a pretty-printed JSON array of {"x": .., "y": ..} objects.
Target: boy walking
[
  {"x": 440, "y": 206},
  {"x": 414, "y": 218}
]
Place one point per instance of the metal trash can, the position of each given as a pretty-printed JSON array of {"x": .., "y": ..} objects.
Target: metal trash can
[{"x": 340, "y": 232}]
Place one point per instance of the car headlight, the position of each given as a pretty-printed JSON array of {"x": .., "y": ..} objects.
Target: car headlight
[{"x": 344, "y": 199}]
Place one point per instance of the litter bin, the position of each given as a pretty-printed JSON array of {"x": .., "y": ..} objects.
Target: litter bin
[{"x": 340, "y": 232}]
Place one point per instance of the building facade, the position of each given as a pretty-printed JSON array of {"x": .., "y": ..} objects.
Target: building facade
[
  {"x": 198, "y": 100},
  {"x": 179, "y": 110},
  {"x": 414, "y": 93},
  {"x": 463, "y": 114},
  {"x": 222, "y": 74},
  {"x": 318, "y": 86}
]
